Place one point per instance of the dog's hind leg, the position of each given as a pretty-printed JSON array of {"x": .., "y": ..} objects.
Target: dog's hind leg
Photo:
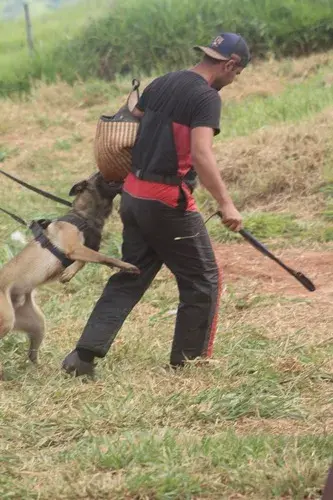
[
  {"x": 7, "y": 314},
  {"x": 30, "y": 319}
]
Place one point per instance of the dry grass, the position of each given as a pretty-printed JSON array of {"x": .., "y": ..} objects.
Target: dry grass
[
  {"x": 271, "y": 77},
  {"x": 262, "y": 408},
  {"x": 280, "y": 166},
  {"x": 257, "y": 422}
]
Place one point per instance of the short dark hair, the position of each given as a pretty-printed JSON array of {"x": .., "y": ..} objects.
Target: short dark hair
[{"x": 211, "y": 60}]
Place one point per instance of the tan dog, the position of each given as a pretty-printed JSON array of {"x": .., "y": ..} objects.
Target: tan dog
[{"x": 35, "y": 265}]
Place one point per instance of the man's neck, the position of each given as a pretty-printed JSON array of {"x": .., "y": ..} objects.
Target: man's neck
[{"x": 204, "y": 71}]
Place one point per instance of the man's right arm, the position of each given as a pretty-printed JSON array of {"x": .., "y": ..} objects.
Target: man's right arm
[
  {"x": 137, "y": 112},
  {"x": 140, "y": 107},
  {"x": 204, "y": 163}
]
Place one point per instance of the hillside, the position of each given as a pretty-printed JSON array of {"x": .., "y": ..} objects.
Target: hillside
[
  {"x": 102, "y": 43},
  {"x": 256, "y": 423}
]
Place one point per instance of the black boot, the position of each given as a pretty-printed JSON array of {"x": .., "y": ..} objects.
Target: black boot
[{"x": 73, "y": 364}]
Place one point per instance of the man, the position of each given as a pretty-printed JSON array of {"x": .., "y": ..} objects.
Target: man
[{"x": 180, "y": 114}]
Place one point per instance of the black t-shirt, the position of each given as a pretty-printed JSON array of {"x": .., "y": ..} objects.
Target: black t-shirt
[
  {"x": 173, "y": 104},
  {"x": 188, "y": 97}
]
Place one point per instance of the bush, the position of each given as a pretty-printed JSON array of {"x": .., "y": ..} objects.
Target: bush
[
  {"x": 144, "y": 37},
  {"x": 139, "y": 37}
]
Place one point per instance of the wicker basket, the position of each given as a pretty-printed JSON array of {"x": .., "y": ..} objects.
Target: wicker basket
[{"x": 115, "y": 137}]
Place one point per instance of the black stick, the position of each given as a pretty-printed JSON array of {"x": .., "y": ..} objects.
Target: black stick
[{"x": 306, "y": 282}]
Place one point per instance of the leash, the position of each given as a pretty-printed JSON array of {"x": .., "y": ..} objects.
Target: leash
[
  {"x": 37, "y": 229},
  {"x": 37, "y": 190},
  {"x": 15, "y": 217}
]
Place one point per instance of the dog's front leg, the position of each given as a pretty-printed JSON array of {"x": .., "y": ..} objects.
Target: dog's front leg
[
  {"x": 71, "y": 271},
  {"x": 67, "y": 237},
  {"x": 85, "y": 254}
]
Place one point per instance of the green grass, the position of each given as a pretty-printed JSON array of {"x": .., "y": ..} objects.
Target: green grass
[
  {"x": 17, "y": 68},
  {"x": 170, "y": 465},
  {"x": 143, "y": 433},
  {"x": 97, "y": 43},
  {"x": 13, "y": 9},
  {"x": 297, "y": 102},
  {"x": 6, "y": 153},
  {"x": 256, "y": 422},
  {"x": 47, "y": 27},
  {"x": 280, "y": 228},
  {"x": 174, "y": 27}
]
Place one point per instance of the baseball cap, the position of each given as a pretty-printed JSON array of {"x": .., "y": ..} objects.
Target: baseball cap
[{"x": 225, "y": 45}]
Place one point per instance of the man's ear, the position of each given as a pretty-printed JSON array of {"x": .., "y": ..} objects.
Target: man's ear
[
  {"x": 230, "y": 65},
  {"x": 78, "y": 188}
]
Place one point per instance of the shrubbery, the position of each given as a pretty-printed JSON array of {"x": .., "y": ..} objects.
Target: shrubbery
[{"x": 145, "y": 36}]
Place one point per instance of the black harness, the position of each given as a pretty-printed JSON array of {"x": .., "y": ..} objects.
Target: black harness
[
  {"x": 37, "y": 228},
  {"x": 92, "y": 237}
]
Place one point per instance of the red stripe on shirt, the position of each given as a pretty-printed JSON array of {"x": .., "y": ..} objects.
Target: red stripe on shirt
[
  {"x": 158, "y": 192},
  {"x": 182, "y": 141},
  {"x": 163, "y": 192}
]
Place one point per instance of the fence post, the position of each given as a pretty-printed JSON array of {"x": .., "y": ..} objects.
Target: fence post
[{"x": 28, "y": 28}]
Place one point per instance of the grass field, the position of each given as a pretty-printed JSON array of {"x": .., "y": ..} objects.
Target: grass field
[
  {"x": 109, "y": 38},
  {"x": 257, "y": 422},
  {"x": 49, "y": 30}
]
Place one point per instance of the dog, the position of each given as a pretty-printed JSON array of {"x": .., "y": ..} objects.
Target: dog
[{"x": 77, "y": 235}]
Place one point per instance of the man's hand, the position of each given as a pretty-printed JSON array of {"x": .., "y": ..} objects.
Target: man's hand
[{"x": 231, "y": 218}]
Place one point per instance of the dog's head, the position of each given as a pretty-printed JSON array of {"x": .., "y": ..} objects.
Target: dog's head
[
  {"x": 95, "y": 194},
  {"x": 96, "y": 183}
]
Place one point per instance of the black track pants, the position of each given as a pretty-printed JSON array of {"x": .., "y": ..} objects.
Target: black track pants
[{"x": 149, "y": 232}]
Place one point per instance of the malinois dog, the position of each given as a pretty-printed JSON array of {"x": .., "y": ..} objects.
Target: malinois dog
[{"x": 77, "y": 235}]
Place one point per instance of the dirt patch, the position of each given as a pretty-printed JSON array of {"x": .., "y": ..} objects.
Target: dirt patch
[{"x": 241, "y": 262}]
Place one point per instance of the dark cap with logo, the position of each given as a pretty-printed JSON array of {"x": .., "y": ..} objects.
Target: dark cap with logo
[{"x": 228, "y": 46}]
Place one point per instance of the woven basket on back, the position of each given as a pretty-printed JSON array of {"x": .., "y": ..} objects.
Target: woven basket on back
[{"x": 115, "y": 137}]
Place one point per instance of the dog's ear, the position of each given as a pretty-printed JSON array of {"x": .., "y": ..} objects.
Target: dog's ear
[{"x": 78, "y": 188}]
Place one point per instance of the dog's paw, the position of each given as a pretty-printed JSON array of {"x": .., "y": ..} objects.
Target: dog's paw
[
  {"x": 66, "y": 276},
  {"x": 33, "y": 356}
]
